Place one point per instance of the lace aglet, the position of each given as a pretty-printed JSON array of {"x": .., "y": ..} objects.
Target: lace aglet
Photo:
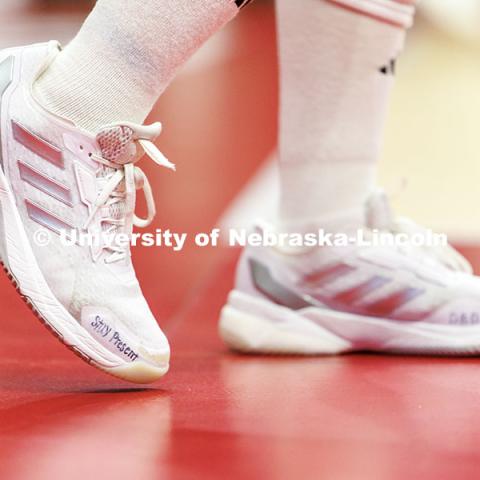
[
  {"x": 163, "y": 161},
  {"x": 154, "y": 153}
]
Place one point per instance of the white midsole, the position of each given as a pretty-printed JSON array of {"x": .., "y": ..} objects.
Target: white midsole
[{"x": 255, "y": 324}]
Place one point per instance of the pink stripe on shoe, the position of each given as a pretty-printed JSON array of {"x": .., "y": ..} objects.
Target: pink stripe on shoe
[
  {"x": 45, "y": 184},
  {"x": 388, "y": 305},
  {"x": 326, "y": 275},
  {"x": 37, "y": 145},
  {"x": 355, "y": 294}
]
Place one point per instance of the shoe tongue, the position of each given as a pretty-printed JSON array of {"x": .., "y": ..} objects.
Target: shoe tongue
[{"x": 117, "y": 144}]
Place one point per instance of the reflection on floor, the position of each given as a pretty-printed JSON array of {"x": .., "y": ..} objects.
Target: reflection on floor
[{"x": 222, "y": 415}]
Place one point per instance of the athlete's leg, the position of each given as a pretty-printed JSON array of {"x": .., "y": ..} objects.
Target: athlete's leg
[
  {"x": 337, "y": 65},
  {"x": 125, "y": 55},
  {"x": 69, "y": 139},
  {"x": 331, "y": 294}
]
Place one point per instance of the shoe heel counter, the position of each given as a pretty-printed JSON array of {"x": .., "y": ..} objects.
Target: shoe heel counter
[
  {"x": 243, "y": 278},
  {"x": 7, "y": 62},
  {"x": 6, "y": 78},
  {"x": 253, "y": 267}
]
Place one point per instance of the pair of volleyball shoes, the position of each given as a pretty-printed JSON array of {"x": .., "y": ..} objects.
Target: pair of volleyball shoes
[{"x": 57, "y": 178}]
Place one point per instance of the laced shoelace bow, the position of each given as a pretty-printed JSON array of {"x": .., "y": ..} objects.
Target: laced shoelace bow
[{"x": 127, "y": 173}]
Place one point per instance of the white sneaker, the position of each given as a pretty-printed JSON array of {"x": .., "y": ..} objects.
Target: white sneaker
[
  {"x": 56, "y": 177},
  {"x": 334, "y": 299}
]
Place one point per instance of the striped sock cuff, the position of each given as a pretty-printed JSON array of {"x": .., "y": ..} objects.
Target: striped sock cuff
[{"x": 388, "y": 11}]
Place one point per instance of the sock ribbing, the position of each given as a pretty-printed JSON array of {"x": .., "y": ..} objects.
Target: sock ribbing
[{"x": 124, "y": 57}]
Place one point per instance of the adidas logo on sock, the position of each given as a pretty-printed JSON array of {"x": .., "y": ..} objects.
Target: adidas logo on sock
[{"x": 389, "y": 69}]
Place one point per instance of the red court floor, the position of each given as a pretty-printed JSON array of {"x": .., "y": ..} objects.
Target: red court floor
[
  {"x": 219, "y": 415},
  {"x": 223, "y": 415}
]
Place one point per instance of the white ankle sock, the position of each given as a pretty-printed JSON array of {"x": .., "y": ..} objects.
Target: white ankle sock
[
  {"x": 337, "y": 59},
  {"x": 125, "y": 55}
]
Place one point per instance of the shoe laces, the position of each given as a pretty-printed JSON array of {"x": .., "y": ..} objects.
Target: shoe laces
[
  {"x": 122, "y": 146},
  {"x": 380, "y": 217}
]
